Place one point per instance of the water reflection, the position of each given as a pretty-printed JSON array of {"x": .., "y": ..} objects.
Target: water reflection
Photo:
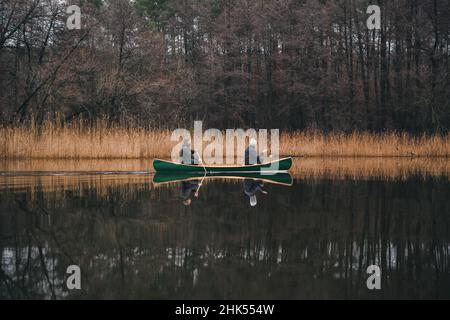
[
  {"x": 187, "y": 189},
  {"x": 337, "y": 168},
  {"x": 251, "y": 189},
  {"x": 191, "y": 184},
  {"x": 133, "y": 238}
]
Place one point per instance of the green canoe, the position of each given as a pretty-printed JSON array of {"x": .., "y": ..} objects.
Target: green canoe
[
  {"x": 277, "y": 178},
  {"x": 168, "y": 166}
]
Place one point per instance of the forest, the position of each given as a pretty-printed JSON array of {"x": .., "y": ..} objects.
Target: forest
[{"x": 297, "y": 65}]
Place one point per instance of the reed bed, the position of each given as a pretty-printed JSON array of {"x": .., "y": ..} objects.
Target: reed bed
[
  {"x": 368, "y": 168},
  {"x": 77, "y": 141},
  {"x": 364, "y": 145},
  {"x": 101, "y": 141}
]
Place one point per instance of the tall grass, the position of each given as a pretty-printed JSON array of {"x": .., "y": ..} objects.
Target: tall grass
[
  {"x": 364, "y": 145},
  {"x": 370, "y": 168},
  {"x": 102, "y": 141},
  {"x": 79, "y": 141}
]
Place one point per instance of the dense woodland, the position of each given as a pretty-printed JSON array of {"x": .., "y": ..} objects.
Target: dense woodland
[{"x": 290, "y": 64}]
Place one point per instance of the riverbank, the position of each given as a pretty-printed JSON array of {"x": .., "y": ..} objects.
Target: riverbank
[
  {"x": 103, "y": 142},
  {"x": 303, "y": 168}
]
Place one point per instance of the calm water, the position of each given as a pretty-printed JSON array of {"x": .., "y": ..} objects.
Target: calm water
[{"x": 313, "y": 240}]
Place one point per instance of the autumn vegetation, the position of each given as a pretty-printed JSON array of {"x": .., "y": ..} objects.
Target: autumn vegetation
[
  {"x": 98, "y": 140},
  {"x": 138, "y": 69}
]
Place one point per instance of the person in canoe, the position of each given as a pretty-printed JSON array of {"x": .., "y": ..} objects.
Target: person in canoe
[
  {"x": 251, "y": 155},
  {"x": 189, "y": 155},
  {"x": 251, "y": 189}
]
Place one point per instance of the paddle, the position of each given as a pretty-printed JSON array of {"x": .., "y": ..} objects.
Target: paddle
[{"x": 203, "y": 179}]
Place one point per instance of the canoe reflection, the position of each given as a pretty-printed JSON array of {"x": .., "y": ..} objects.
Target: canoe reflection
[
  {"x": 313, "y": 240},
  {"x": 191, "y": 184}
]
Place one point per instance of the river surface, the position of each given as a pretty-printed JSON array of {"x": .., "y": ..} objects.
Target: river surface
[{"x": 310, "y": 238}]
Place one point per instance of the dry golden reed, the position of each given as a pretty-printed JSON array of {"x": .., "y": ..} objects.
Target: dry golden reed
[
  {"x": 364, "y": 145},
  {"x": 100, "y": 141},
  {"x": 76, "y": 141},
  {"x": 370, "y": 168}
]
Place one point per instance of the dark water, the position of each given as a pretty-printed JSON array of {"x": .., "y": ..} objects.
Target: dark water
[{"x": 313, "y": 240}]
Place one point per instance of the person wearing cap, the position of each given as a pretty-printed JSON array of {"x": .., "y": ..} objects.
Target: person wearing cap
[
  {"x": 189, "y": 155},
  {"x": 251, "y": 155}
]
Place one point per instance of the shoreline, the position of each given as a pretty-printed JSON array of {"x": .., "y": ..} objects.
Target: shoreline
[
  {"x": 306, "y": 167},
  {"x": 325, "y": 157}
]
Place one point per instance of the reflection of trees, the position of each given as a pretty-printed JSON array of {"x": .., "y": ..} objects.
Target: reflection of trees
[
  {"x": 27, "y": 268},
  {"x": 314, "y": 240}
]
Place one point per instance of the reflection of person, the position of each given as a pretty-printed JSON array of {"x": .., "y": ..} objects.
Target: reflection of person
[
  {"x": 251, "y": 156},
  {"x": 187, "y": 187},
  {"x": 251, "y": 188},
  {"x": 189, "y": 155}
]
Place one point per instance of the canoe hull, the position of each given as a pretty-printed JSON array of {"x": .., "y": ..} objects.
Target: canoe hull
[{"x": 274, "y": 166}]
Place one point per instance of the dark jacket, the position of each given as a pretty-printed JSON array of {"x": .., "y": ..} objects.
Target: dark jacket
[
  {"x": 251, "y": 187},
  {"x": 189, "y": 156},
  {"x": 187, "y": 187},
  {"x": 251, "y": 156}
]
